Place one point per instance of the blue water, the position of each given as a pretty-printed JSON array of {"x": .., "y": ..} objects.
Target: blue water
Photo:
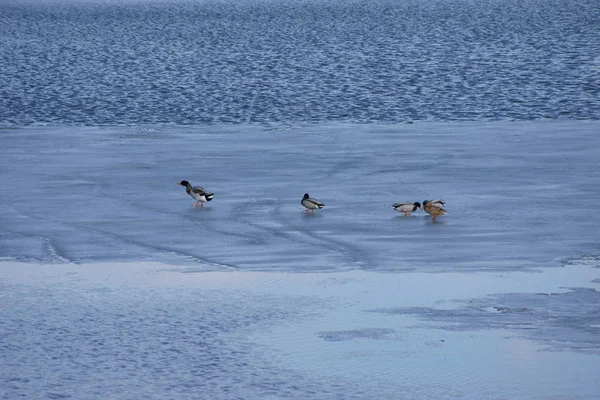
[{"x": 68, "y": 62}]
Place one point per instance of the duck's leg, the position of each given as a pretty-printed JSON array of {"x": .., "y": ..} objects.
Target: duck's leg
[
  {"x": 434, "y": 217},
  {"x": 406, "y": 214},
  {"x": 196, "y": 205}
]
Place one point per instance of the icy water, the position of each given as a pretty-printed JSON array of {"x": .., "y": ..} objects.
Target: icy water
[
  {"x": 112, "y": 285},
  {"x": 265, "y": 61},
  {"x": 147, "y": 331}
]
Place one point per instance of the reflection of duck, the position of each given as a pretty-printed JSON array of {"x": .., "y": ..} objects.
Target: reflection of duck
[
  {"x": 433, "y": 209},
  {"x": 311, "y": 204},
  {"x": 406, "y": 207},
  {"x": 197, "y": 192}
]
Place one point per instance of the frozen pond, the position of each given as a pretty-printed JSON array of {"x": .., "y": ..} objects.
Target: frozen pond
[
  {"x": 518, "y": 195},
  {"x": 113, "y": 284}
]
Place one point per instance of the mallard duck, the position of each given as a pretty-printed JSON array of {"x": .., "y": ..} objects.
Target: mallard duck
[
  {"x": 434, "y": 209},
  {"x": 406, "y": 207},
  {"x": 197, "y": 192},
  {"x": 311, "y": 204}
]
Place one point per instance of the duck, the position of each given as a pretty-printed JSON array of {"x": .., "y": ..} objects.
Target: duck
[
  {"x": 406, "y": 207},
  {"x": 197, "y": 192},
  {"x": 311, "y": 204},
  {"x": 433, "y": 208}
]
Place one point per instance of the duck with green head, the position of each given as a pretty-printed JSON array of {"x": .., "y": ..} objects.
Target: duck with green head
[
  {"x": 311, "y": 204},
  {"x": 406, "y": 207},
  {"x": 198, "y": 193}
]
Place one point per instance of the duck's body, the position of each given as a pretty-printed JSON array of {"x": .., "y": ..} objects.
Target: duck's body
[
  {"x": 311, "y": 204},
  {"x": 434, "y": 209},
  {"x": 198, "y": 193},
  {"x": 406, "y": 207}
]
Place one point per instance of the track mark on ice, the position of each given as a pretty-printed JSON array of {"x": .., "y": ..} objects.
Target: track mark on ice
[
  {"x": 353, "y": 255},
  {"x": 160, "y": 249},
  {"x": 123, "y": 239},
  {"x": 204, "y": 224},
  {"x": 54, "y": 252}
]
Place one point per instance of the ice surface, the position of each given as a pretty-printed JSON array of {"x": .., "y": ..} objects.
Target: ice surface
[
  {"x": 518, "y": 195},
  {"x": 544, "y": 316}
]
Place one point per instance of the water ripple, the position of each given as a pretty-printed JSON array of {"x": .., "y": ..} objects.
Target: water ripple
[{"x": 190, "y": 63}]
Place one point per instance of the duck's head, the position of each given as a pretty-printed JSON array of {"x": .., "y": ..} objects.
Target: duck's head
[
  {"x": 425, "y": 202},
  {"x": 183, "y": 183},
  {"x": 417, "y": 204},
  {"x": 306, "y": 196}
]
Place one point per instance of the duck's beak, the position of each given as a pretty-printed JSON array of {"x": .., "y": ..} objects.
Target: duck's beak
[{"x": 179, "y": 183}]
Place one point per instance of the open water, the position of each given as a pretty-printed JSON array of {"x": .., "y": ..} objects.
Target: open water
[{"x": 91, "y": 62}]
